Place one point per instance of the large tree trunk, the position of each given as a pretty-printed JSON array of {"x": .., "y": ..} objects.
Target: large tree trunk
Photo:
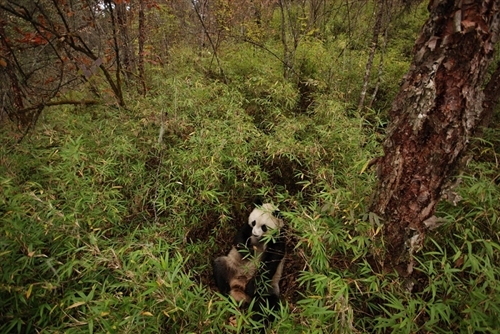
[{"x": 432, "y": 118}]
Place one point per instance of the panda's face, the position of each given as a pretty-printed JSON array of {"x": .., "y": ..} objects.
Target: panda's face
[{"x": 262, "y": 220}]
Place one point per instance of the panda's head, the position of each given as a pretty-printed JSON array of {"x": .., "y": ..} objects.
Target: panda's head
[{"x": 263, "y": 219}]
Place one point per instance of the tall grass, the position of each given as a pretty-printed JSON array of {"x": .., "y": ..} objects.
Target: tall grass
[{"x": 109, "y": 219}]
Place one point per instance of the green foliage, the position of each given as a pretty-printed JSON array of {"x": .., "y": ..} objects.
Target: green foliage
[
  {"x": 405, "y": 26},
  {"x": 109, "y": 218}
]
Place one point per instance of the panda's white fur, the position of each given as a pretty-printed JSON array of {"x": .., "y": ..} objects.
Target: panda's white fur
[
  {"x": 253, "y": 258},
  {"x": 264, "y": 217}
]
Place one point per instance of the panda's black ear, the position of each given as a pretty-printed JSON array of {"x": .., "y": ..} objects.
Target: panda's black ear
[
  {"x": 258, "y": 201},
  {"x": 277, "y": 214}
]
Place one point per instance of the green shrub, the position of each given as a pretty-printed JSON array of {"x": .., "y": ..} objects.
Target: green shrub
[{"x": 109, "y": 218}]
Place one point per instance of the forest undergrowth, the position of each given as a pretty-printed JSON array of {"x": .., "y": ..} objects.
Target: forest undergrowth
[{"x": 110, "y": 217}]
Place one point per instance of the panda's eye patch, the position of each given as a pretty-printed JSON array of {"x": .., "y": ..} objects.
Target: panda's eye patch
[
  {"x": 264, "y": 228},
  {"x": 253, "y": 223}
]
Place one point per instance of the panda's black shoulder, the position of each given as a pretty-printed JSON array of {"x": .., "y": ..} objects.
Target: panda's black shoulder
[{"x": 242, "y": 236}]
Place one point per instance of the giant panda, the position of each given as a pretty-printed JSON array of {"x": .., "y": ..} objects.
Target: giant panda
[{"x": 254, "y": 266}]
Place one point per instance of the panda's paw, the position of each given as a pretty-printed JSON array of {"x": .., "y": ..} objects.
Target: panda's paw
[{"x": 250, "y": 287}]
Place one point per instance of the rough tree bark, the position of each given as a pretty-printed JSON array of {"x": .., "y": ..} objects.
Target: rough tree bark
[{"x": 432, "y": 118}]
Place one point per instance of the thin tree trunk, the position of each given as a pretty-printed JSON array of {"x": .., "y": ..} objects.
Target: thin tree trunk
[
  {"x": 121, "y": 102},
  {"x": 373, "y": 50},
  {"x": 200, "y": 16},
  {"x": 432, "y": 119},
  {"x": 142, "y": 40},
  {"x": 17, "y": 93},
  {"x": 124, "y": 39},
  {"x": 60, "y": 27},
  {"x": 286, "y": 53},
  {"x": 382, "y": 53},
  {"x": 290, "y": 42}
]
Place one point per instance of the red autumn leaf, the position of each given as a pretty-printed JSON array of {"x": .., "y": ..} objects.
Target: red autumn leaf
[
  {"x": 18, "y": 30},
  {"x": 153, "y": 4},
  {"x": 49, "y": 80},
  {"x": 38, "y": 40},
  {"x": 42, "y": 20}
]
